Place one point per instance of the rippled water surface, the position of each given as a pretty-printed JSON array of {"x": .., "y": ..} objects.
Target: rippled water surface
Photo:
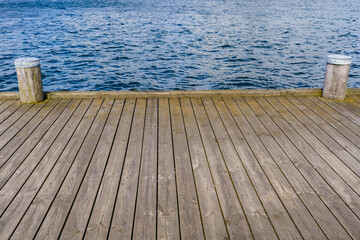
[{"x": 178, "y": 44}]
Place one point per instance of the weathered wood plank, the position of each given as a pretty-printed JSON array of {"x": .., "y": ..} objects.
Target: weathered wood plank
[
  {"x": 276, "y": 210},
  {"x": 236, "y": 220},
  {"x": 337, "y": 115},
  {"x": 338, "y": 142},
  {"x": 12, "y": 139},
  {"x": 293, "y": 204},
  {"x": 167, "y": 216},
  {"x": 225, "y": 133},
  {"x": 355, "y": 98},
  {"x": 42, "y": 136},
  {"x": 12, "y": 119},
  {"x": 176, "y": 94},
  {"x": 189, "y": 210},
  {"x": 36, "y": 161},
  {"x": 99, "y": 223},
  {"x": 10, "y": 108},
  {"x": 79, "y": 214},
  {"x": 146, "y": 202},
  {"x": 5, "y": 105},
  {"x": 301, "y": 175},
  {"x": 331, "y": 120},
  {"x": 122, "y": 220},
  {"x": 213, "y": 220},
  {"x": 344, "y": 111},
  {"x": 323, "y": 136},
  {"x": 323, "y": 160},
  {"x": 57, "y": 214},
  {"x": 324, "y": 180},
  {"x": 354, "y": 101},
  {"x": 350, "y": 105},
  {"x": 41, "y": 187}
]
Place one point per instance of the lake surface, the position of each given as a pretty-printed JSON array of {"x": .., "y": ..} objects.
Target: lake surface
[{"x": 178, "y": 44}]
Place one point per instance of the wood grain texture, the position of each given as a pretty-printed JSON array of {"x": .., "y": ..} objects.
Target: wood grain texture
[
  {"x": 30, "y": 84},
  {"x": 99, "y": 223},
  {"x": 146, "y": 202},
  {"x": 324, "y": 180},
  {"x": 4, "y": 107},
  {"x": 41, "y": 187},
  {"x": 81, "y": 208},
  {"x": 211, "y": 212},
  {"x": 235, "y": 218},
  {"x": 13, "y": 138},
  {"x": 123, "y": 217},
  {"x": 234, "y": 153},
  {"x": 337, "y": 115},
  {"x": 57, "y": 214},
  {"x": 35, "y": 138},
  {"x": 5, "y": 104},
  {"x": 167, "y": 215},
  {"x": 189, "y": 209},
  {"x": 293, "y": 172},
  {"x": 222, "y": 166},
  {"x": 327, "y": 161}
]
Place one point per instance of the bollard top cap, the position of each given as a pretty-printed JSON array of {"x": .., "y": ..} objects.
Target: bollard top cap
[
  {"x": 27, "y": 62},
  {"x": 338, "y": 59}
]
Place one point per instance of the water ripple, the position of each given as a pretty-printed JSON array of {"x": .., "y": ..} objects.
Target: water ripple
[{"x": 179, "y": 45}]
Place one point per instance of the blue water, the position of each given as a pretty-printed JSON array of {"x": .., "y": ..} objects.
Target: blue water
[{"x": 178, "y": 44}]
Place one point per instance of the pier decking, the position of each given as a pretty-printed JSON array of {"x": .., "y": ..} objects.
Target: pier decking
[{"x": 180, "y": 167}]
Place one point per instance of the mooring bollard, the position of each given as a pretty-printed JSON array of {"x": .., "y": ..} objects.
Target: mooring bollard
[
  {"x": 29, "y": 80},
  {"x": 336, "y": 77}
]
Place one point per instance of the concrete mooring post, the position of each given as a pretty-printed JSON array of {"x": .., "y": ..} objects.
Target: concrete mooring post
[
  {"x": 29, "y": 80},
  {"x": 336, "y": 77}
]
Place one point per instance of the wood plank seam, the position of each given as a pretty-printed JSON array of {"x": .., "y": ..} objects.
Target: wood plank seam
[
  {"x": 91, "y": 159},
  {"x": 208, "y": 165},
  {"x": 246, "y": 170},
  {"x": 34, "y": 146},
  {"x": 68, "y": 170},
  {"x": 345, "y": 131},
  {"x": 36, "y": 193},
  {"x": 28, "y": 135},
  {"x": 282, "y": 172},
  {"x": 86, "y": 122},
  {"x": 343, "y": 111},
  {"x": 28, "y": 120},
  {"x": 336, "y": 141},
  {"x": 321, "y": 199},
  {"x": 336, "y": 115},
  {"x": 126, "y": 150},
  {"x": 12, "y": 111},
  {"x": 272, "y": 184},
  {"x": 99, "y": 159},
  {"x": 227, "y": 168},
  {"x": 102, "y": 177},
  {"x": 173, "y": 153},
  {"x": 192, "y": 169},
  {"x": 39, "y": 141},
  {"x": 139, "y": 171},
  {"x": 207, "y": 120},
  {"x": 325, "y": 143},
  {"x": 40, "y": 160},
  {"x": 324, "y": 160},
  {"x": 71, "y": 184}
]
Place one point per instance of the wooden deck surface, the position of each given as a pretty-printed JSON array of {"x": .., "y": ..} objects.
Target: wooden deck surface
[{"x": 180, "y": 168}]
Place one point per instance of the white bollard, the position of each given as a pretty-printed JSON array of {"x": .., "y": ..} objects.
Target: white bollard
[
  {"x": 336, "y": 77},
  {"x": 29, "y": 80}
]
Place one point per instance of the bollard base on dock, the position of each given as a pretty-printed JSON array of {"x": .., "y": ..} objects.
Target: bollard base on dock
[
  {"x": 336, "y": 77},
  {"x": 29, "y": 78}
]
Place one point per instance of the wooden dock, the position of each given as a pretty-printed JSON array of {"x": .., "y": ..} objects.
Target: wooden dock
[{"x": 218, "y": 165}]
